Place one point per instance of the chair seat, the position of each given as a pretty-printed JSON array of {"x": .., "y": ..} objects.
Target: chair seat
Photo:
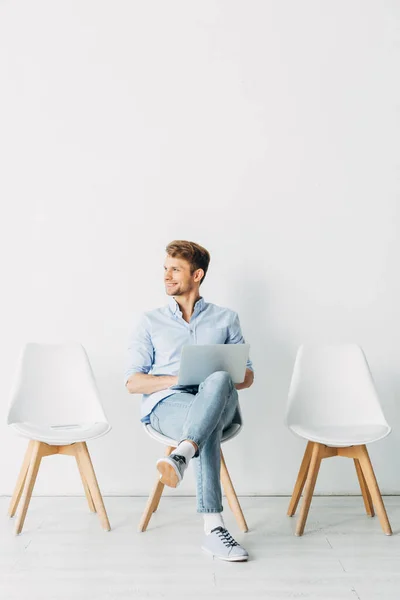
[
  {"x": 228, "y": 433},
  {"x": 341, "y": 435},
  {"x": 58, "y": 435}
]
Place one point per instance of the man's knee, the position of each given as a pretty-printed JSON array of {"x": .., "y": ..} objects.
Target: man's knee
[
  {"x": 219, "y": 384},
  {"x": 220, "y": 379}
]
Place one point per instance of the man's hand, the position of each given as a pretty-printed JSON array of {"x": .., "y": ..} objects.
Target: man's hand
[
  {"x": 248, "y": 380},
  {"x": 140, "y": 383}
]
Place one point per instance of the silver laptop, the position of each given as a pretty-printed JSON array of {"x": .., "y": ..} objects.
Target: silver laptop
[{"x": 198, "y": 362}]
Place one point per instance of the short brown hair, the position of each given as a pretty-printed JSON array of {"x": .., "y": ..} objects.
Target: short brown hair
[{"x": 197, "y": 256}]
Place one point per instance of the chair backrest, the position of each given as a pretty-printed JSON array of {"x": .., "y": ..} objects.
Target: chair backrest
[
  {"x": 332, "y": 385},
  {"x": 54, "y": 384}
]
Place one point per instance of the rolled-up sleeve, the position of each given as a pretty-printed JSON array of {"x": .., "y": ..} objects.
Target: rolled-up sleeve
[
  {"x": 140, "y": 350},
  {"x": 235, "y": 336}
]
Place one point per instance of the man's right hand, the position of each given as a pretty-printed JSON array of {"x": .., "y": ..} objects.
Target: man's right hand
[{"x": 140, "y": 383}]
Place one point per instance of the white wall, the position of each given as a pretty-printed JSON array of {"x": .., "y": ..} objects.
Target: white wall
[{"x": 266, "y": 131}]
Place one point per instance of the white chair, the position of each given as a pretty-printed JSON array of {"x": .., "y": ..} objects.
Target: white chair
[
  {"x": 55, "y": 403},
  {"x": 333, "y": 404},
  {"x": 155, "y": 496}
]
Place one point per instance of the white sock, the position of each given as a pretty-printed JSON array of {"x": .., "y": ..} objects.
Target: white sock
[
  {"x": 212, "y": 520},
  {"x": 185, "y": 449}
]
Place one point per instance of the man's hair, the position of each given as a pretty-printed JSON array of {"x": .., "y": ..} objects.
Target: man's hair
[{"x": 197, "y": 256}]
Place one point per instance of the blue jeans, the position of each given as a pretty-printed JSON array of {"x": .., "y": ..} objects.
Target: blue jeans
[{"x": 201, "y": 417}]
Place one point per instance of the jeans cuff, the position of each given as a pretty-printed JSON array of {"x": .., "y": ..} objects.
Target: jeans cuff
[{"x": 210, "y": 510}]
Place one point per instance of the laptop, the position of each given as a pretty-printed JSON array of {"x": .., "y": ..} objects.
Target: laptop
[{"x": 200, "y": 361}]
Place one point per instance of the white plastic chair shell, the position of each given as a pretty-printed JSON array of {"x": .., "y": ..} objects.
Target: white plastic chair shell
[
  {"x": 332, "y": 397},
  {"x": 228, "y": 434},
  {"x": 55, "y": 398}
]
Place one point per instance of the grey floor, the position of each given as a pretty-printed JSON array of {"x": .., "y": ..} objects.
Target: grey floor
[{"x": 63, "y": 553}]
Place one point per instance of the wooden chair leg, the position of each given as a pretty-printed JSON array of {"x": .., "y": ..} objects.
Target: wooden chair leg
[
  {"x": 301, "y": 480},
  {"x": 90, "y": 478},
  {"x": 167, "y": 453},
  {"x": 369, "y": 507},
  {"x": 231, "y": 496},
  {"x": 310, "y": 485},
  {"x": 19, "y": 487},
  {"x": 372, "y": 484},
  {"x": 154, "y": 499},
  {"x": 88, "y": 495},
  {"x": 151, "y": 505},
  {"x": 34, "y": 464}
]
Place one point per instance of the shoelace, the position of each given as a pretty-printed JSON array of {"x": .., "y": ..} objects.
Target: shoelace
[
  {"x": 225, "y": 536},
  {"x": 178, "y": 458}
]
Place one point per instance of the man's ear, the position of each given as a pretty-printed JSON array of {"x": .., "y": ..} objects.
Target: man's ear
[{"x": 198, "y": 275}]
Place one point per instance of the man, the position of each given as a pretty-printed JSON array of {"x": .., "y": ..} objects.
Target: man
[{"x": 195, "y": 416}]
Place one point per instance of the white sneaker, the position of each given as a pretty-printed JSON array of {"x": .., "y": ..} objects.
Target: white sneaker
[{"x": 221, "y": 544}]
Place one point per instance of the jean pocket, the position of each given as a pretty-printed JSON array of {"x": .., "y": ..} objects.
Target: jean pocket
[{"x": 155, "y": 422}]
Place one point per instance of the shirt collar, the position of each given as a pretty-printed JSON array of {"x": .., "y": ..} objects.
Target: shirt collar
[{"x": 174, "y": 306}]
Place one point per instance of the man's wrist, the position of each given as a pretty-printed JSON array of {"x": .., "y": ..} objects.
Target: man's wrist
[{"x": 172, "y": 380}]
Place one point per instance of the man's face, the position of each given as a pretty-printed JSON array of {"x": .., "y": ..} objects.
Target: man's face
[{"x": 177, "y": 276}]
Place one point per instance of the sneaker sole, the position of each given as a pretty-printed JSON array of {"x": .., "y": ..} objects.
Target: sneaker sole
[
  {"x": 227, "y": 558},
  {"x": 168, "y": 474}
]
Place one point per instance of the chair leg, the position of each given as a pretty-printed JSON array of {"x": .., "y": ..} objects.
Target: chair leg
[
  {"x": 19, "y": 487},
  {"x": 310, "y": 485},
  {"x": 301, "y": 480},
  {"x": 167, "y": 453},
  {"x": 88, "y": 495},
  {"x": 231, "y": 496},
  {"x": 151, "y": 505},
  {"x": 154, "y": 499},
  {"x": 372, "y": 484},
  {"x": 369, "y": 507},
  {"x": 90, "y": 478},
  {"x": 34, "y": 464}
]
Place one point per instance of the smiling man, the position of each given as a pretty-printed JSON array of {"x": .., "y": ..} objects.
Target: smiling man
[{"x": 196, "y": 415}]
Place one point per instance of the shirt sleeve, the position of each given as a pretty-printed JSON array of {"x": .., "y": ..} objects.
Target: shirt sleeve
[
  {"x": 140, "y": 357},
  {"x": 235, "y": 336}
]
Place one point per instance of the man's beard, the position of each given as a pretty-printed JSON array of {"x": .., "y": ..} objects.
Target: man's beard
[
  {"x": 173, "y": 291},
  {"x": 178, "y": 291}
]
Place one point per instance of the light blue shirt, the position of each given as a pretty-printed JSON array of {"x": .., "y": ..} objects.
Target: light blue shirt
[{"x": 156, "y": 344}]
